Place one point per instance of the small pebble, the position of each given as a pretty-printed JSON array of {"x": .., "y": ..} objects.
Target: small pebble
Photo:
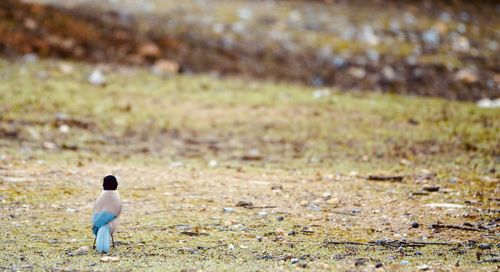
[
  {"x": 423, "y": 267},
  {"x": 419, "y": 253},
  {"x": 230, "y": 247},
  {"x": 431, "y": 188},
  {"x": 484, "y": 246},
  {"x": 359, "y": 262},
  {"x": 109, "y": 259},
  {"x": 378, "y": 265},
  {"x": 404, "y": 262},
  {"x": 262, "y": 213},
  {"x": 314, "y": 207},
  {"x": 97, "y": 78},
  {"x": 294, "y": 260},
  {"x": 82, "y": 251},
  {"x": 228, "y": 210},
  {"x": 415, "y": 225},
  {"x": 259, "y": 238},
  {"x": 280, "y": 218}
]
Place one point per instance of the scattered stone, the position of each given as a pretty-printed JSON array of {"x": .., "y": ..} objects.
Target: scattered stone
[
  {"x": 415, "y": 225},
  {"x": 423, "y": 267},
  {"x": 333, "y": 200},
  {"x": 378, "y": 265},
  {"x": 292, "y": 233},
  {"x": 373, "y": 55},
  {"x": 265, "y": 257},
  {"x": 176, "y": 164},
  {"x": 317, "y": 94},
  {"x": 30, "y": 58},
  {"x": 488, "y": 103},
  {"x": 307, "y": 230},
  {"x": 183, "y": 227},
  {"x": 212, "y": 163},
  {"x": 259, "y": 238},
  {"x": 49, "y": 145},
  {"x": 165, "y": 67},
  {"x": 368, "y": 35},
  {"x": 64, "y": 128},
  {"x": 409, "y": 18},
  {"x": 314, "y": 207},
  {"x": 404, "y": 262},
  {"x": 359, "y": 262},
  {"x": 280, "y": 218},
  {"x": 70, "y": 210},
  {"x": 228, "y": 210},
  {"x": 66, "y": 68},
  {"x": 262, "y": 213},
  {"x": 294, "y": 260},
  {"x": 357, "y": 72},
  {"x": 245, "y": 204},
  {"x": 431, "y": 37},
  {"x": 84, "y": 250},
  {"x": 230, "y": 247},
  {"x": 484, "y": 246},
  {"x": 97, "y": 78},
  {"x": 467, "y": 75},
  {"x": 430, "y": 188},
  {"x": 338, "y": 61},
  {"x": 110, "y": 259},
  {"x": 304, "y": 203},
  {"x": 252, "y": 155},
  {"x": 149, "y": 50},
  {"x": 419, "y": 253},
  {"x": 279, "y": 232},
  {"x": 445, "y": 205},
  {"x": 460, "y": 44},
  {"x": 389, "y": 73}
]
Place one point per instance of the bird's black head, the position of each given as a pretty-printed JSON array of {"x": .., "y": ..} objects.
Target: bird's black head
[{"x": 110, "y": 183}]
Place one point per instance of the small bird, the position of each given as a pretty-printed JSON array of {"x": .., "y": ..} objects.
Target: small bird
[{"x": 107, "y": 208}]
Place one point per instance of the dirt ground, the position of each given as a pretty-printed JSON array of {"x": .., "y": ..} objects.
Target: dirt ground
[{"x": 224, "y": 174}]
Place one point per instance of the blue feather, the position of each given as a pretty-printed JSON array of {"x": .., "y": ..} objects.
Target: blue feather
[
  {"x": 100, "y": 219},
  {"x": 103, "y": 239}
]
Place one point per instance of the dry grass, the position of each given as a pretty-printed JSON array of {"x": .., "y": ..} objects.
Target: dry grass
[{"x": 181, "y": 147}]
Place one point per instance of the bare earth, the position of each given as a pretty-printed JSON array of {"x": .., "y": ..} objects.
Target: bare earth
[{"x": 187, "y": 149}]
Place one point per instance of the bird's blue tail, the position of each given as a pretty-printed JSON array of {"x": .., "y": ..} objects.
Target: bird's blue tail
[{"x": 103, "y": 239}]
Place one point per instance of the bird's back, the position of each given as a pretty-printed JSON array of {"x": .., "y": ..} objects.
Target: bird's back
[
  {"x": 107, "y": 208},
  {"x": 108, "y": 201}
]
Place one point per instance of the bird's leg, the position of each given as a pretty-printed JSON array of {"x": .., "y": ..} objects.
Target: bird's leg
[
  {"x": 95, "y": 238},
  {"x": 112, "y": 240}
]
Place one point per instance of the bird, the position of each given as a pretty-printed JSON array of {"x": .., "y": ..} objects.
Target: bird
[{"x": 107, "y": 209}]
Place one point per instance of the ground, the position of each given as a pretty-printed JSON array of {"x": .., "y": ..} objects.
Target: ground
[{"x": 188, "y": 148}]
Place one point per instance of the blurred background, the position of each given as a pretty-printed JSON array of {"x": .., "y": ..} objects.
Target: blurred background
[{"x": 433, "y": 48}]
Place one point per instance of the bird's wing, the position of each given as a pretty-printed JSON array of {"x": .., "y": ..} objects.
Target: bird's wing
[{"x": 100, "y": 219}]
